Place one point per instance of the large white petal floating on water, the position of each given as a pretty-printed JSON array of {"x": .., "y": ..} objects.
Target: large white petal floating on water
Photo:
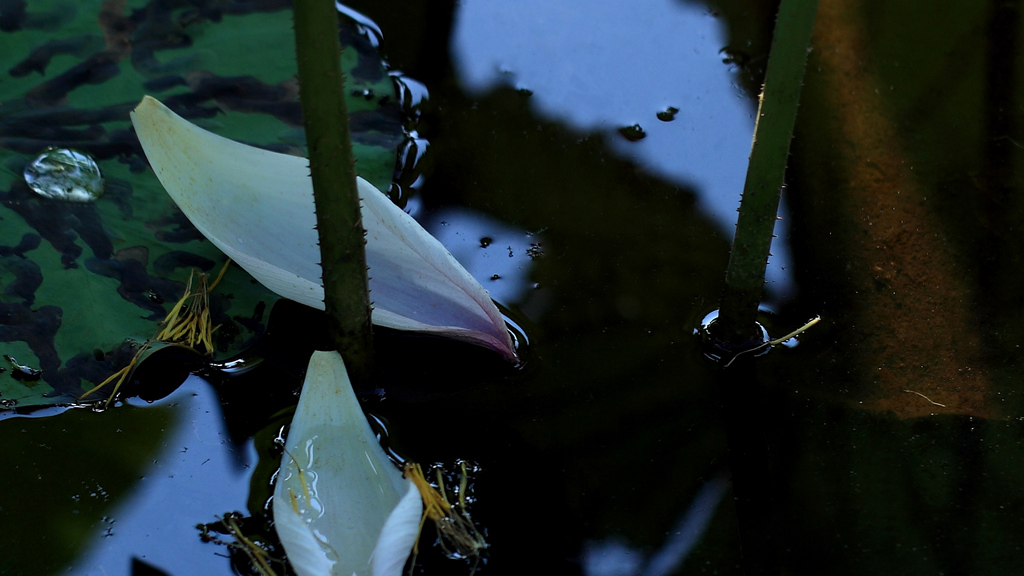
[
  {"x": 340, "y": 506},
  {"x": 257, "y": 207}
]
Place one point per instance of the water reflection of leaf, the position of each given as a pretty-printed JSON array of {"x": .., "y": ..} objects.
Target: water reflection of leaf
[{"x": 110, "y": 451}]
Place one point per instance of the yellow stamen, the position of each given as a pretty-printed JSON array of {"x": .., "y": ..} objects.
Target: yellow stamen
[
  {"x": 302, "y": 478},
  {"x": 257, "y": 555},
  {"x": 121, "y": 376},
  {"x": 220, "y": 275},
  {"x": 188, "y": 323},
  {"x": 458, "y": 535}
]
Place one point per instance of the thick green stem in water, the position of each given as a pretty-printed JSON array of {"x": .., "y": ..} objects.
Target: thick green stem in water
[
  {"x": 776, "y": 116},
  {"x": 339, "y": 221}
]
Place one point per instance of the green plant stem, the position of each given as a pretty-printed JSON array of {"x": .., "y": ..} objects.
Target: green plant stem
[
  {"x": 773, "y": 131},
  {"x": 339, "y": 221}
]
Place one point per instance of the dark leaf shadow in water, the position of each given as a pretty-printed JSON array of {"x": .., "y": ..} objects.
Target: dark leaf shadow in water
[{"x": 141, "y": 568}]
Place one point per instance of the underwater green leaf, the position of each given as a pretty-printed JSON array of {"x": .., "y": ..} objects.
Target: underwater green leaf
[
  {"x": 340, "y": 506},
  {"x": 82, "y": 286},
  {"x": 257, "y": 206}
]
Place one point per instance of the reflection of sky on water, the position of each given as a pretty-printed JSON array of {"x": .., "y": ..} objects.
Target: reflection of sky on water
[
  {"x": 495, "y": 253},
  {"x": 197, "y": 474},
  {"x": 604, "y": 65},
  {"x": 615, "y": 557}
]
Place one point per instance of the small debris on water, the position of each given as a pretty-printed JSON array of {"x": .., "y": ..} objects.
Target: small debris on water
[
  {"x": 632, "y": 133},
  {"x": 668, "y": 114}
]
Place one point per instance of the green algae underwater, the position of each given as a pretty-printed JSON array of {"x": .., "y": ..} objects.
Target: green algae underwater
[{"x": 894, "y": 428}]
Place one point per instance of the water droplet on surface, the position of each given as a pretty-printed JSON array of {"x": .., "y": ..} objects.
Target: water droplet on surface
[
  {"x": 411, "y": 93},
  {"x": 734, "y": 57},
  {"x": 724, "y": 352},
  {"x": 668, "y": 114},
  {"x": 486, "y": 241},
  {"x": 367, "y": 94},
  {"x": 409, "y": 173},
  {"x": 364, "y": 25},
  {"x": 22, "y": 373},
  {"x": 63, "y": 174},
  {"x": 632, "y": 133},
  {"x": 791, "y": 343},
  {"x": 237, "y": 366}
]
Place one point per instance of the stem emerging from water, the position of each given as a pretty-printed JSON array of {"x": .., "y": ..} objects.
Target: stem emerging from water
[
  {"x": 776, "y": 116},
  {"x": 339, "y": 221}
]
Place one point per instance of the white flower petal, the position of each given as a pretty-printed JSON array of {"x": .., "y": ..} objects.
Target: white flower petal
[
  {"x": 257, "y": 207},
  {"x": 340, "y": 506},
  {"x": 398, "y": 535}
]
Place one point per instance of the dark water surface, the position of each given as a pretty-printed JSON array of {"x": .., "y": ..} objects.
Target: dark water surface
[{"x": 890, "y": 441}]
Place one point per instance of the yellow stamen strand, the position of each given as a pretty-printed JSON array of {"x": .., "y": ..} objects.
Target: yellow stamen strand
[
  {"x": 455, "y": 529},
  {"x": 188, "y": 322},
  {"x": 257, "y": 555}
]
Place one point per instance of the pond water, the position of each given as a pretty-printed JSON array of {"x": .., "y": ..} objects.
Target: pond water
[{"x": 891, "y": 440}]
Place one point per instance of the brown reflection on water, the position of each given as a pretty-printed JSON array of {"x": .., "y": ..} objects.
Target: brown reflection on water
[{"x": 911, "y": 331}]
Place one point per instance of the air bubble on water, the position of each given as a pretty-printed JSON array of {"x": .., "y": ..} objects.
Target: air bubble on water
[{"x": 64, "y": 174}]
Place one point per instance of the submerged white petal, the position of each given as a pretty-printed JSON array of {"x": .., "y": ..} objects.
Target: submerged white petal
[
  {"x": 257, "y": 207},
  {"x": 340, "y": 506},
  {"x": 398, "y": 535}
]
